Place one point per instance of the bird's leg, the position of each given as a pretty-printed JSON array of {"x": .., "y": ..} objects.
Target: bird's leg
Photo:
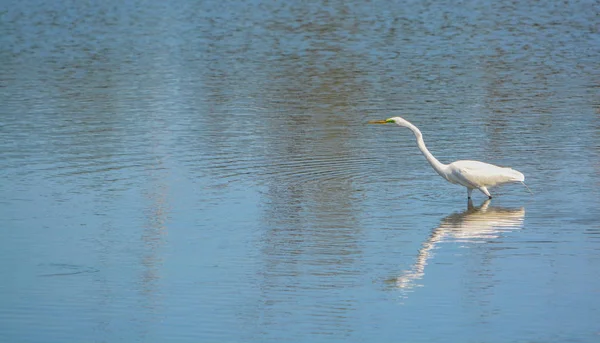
[
  {"x": 469, "y": 191},
  {"x": 485, "y": 191},
  {"x": 470, "y": 204}
]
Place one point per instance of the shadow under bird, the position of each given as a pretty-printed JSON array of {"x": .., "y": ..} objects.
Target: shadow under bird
[{"x": 470, "y": 174}]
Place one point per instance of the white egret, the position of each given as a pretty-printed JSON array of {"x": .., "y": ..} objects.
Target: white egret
[{"x": 470, "y": 174}]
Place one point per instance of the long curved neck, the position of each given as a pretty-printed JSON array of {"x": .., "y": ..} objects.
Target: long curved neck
[{"x": 439, "y": 167}]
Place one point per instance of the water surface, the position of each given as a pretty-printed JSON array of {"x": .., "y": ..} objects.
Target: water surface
[{"x": 180, "y": 171}]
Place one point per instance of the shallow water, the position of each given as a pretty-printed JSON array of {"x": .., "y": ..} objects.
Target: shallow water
[{"x": 204, "y": 172}]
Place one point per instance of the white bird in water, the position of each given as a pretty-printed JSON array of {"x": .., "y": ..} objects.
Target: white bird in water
[{"x": 470, "y": 174}]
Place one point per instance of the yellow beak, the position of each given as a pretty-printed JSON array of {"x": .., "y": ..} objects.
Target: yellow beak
[{"x": 377, "y": 122}]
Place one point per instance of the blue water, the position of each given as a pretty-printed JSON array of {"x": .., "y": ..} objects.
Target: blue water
[{"x": 203, "y": 172}]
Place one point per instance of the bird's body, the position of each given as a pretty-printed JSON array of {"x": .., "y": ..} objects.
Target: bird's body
[
  {"x": 480, "y": 175},
  {"x": 470, "y": 174}
]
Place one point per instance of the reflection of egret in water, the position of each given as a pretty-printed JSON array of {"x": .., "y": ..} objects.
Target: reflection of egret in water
[{"x": 475, "y": 225}]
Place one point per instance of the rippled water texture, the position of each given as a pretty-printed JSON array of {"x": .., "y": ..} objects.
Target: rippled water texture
[{"x": 203, "y": 172}]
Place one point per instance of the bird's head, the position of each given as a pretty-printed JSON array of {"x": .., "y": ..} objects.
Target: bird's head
[{"x": 397, "y": 120}]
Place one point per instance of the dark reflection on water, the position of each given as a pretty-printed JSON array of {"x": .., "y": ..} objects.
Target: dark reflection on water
[
  {"x": 61, "y": 269},
  {"x": 202, "y": 171}
]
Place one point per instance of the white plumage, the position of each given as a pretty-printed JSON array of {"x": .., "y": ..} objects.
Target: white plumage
[{"x": 470, "y": 174}]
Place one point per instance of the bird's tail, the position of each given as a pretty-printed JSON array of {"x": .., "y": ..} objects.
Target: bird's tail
[
  {"x": 513, "y": 175},
  {"x": 527, "y": 187}
]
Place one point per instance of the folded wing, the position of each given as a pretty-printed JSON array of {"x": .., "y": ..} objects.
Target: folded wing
[{"x": 475, "y": 174}]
